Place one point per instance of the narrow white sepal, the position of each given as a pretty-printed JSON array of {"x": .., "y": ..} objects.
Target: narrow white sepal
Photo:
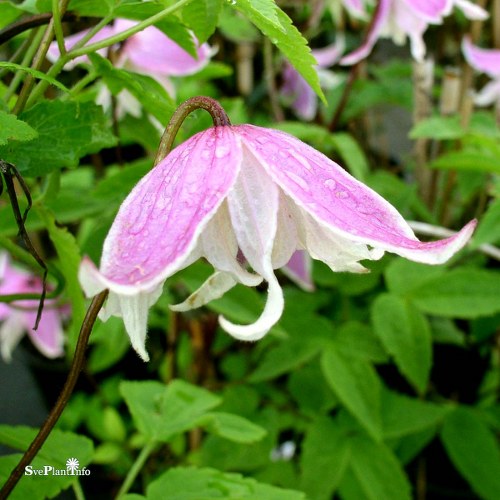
[{"x": 213, "y": 288}]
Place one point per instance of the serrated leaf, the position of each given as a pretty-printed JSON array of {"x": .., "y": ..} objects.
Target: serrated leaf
[
  {"x": 69, "y": 262},
  {"x": 282, "y": 33},
  {"x": 202, "y": 17},
  {"x": 406, "y": 335},
  {"x": 160, "y": 411},
  {"x": 474, "y": 451},
  {"x": 460, "y": 293},
  {"x": 376, "y": 471},
  {"x": 67, "y": 131},
  {"x": 402, "y": 415},
  {"x": 12, "y": 129},
  {"x": 357, "y": 386},
  {"x": 35, "y": 73},
  {"x": 325, "y": 456},
  {"x": 232, "y": 427},
  {"x": 188, "y": 483}
]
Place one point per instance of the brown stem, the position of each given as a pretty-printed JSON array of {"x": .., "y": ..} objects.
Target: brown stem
[
  {"x": 217, "y": 112},
  {"x": 62, "y": 400}
]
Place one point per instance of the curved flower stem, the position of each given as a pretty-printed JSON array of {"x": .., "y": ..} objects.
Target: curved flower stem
[
  {"x": 217, "y": 112},
  {"x": 136, "y": 468},
  {"x": 62, "y": 400}
]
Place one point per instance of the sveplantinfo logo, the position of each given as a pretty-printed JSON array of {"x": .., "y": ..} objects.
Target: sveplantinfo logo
[{"x": 72, "y": 469}]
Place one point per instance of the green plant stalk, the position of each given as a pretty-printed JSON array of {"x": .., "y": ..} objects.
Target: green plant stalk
[
  {"x": 136, "y": 468},
  {"x": 77, "y": 490},
  {"x": 80, "y": 85},
  {"x": 107, "y": 42},
  {"x": 28, "y": 57},
  {"x": 62, "y": 400},
  {"x": 56, "y": 15}
]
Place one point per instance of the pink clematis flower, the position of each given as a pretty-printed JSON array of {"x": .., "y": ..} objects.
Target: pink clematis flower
[
  {"x": 244, "y": 190},
  {"x": 18, "y": 317},
  {"x": 401, "y": 19},
  {"x": 149, "y": 52},
  {"x": 486, "y": 61},
  {"x": 303, "y": 100}
]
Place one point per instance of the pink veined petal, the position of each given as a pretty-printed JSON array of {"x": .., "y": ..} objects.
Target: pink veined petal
[
  {"x": 253, "y": 205},
  {"x": 302, "y": 97},
  {"x": 298, "y": 270},
  {"x": 485, "y": 60},
  {"x": 339, "y": 202},
  {"x": 49, "y": 337},
  {"x": 286, "y": 240},
  {"x": 158, "y": 225},
  {"x": 151, "y": 51},
  {"x": 329, "y": 55},
  {"x": 381, "y": 18},
  {"x": 431, "y": 11},
  {"x": 414, "y": 26},
  {"x": 11, "y": 332},
  {"x": 471, "y": 10},
  {"x": 54, "y": 54},
  {"x": 489, "y": 94}
]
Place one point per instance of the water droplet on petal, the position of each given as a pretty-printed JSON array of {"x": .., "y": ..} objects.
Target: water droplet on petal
[
  {"x": 342, "y": 194},
  {"x": 330, "y": 184},
  {"x": 221, "y": 151}
]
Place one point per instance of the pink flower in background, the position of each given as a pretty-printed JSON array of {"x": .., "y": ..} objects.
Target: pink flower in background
[
  {"x": 486, "y": 61},
  {"x": 302, "y": 98},
  {"x": 18, "y": 318},
  {"x": 149, "y": 52},
  {"x": 244, "y": 190},
  {"x": 401, "y": 19}
]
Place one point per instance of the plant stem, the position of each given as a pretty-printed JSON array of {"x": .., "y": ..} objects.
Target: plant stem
[
  {"x": 217, "y": 112},
  {"x": 77, "y": 489},
  {"x": 136, "y": 468},
  {"x": 56, "y": 14},
  {"x": 269, "y": 77},
  {"x": 62, "y": 400}
]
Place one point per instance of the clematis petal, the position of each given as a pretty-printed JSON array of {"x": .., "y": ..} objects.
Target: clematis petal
[
  {"x": 11, "y": 332},
  {"x": 489, "y": 94},
  {"x": 485, "y": 60},
  {"x": 253, "y": 206},
  {"x": 414, "y": 26},
  {"x": 286, "y": 240},
  {"x": 213, "y": 288},
  {"x": 298, "y": 269},
  {"x": 329, "y": 55},
  {"x": 150, "y": 51},
  {"x": 49, "y": 337},
  {"x": 431, "y": 11},
  {"x": 471, "y": 10},
  {"x": 340, "y": 203},
  {"x": 381, "y": 17}
]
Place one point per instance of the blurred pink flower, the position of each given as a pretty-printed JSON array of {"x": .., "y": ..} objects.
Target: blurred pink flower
[
  {"x": 401, "y": 19},
  {"x": 149, "y": 52},
  {"x": 18, "y": 318},
  {"x": 486, "y": 61},
  {"x": 249, "y": 190},
  {"x": 302, "y": 98}
]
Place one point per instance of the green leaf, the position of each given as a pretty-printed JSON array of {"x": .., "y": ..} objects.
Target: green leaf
[
  {"x": 357, "y": 386},
  {"x": 461, "y": 293},
  {"x": 488, "y": 230},
  {"x": 232, "y": 427},
  {"x": 325, "y": 456},
  {"x": 406, "y": 335},
  {"x": 202, "y": 17},
  {"x": 67, "y": 131},
  {"x": 69, "y": 262},
  {"x": 59, "y": 447},
  {"x": 12, "y": 129},
  {"x": 402, "y": 276},
  {"x": 474, "y": 451},
  {"x": 278, "y": 27},
  {"x": 376, "y": 471},
  {"x": 189, "y": 483},
  {"x": 402, "y": 416},
  {"x": 145, "y": 89},
  {"x": 352, "y": 154},
  {"x": 160, "y": 412},
  {"x": 35, "y": 73},
  {"x": 468, "y": 159},
  {"x": 438, "y": 128}
]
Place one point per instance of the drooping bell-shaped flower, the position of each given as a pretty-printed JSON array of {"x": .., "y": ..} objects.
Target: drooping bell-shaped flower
[
  {"x": 18, "y": 318},
  {"x": 486, "y": 61},
  {"x": 233, "y": 191},
  {"x": 402, "y": 19}
]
